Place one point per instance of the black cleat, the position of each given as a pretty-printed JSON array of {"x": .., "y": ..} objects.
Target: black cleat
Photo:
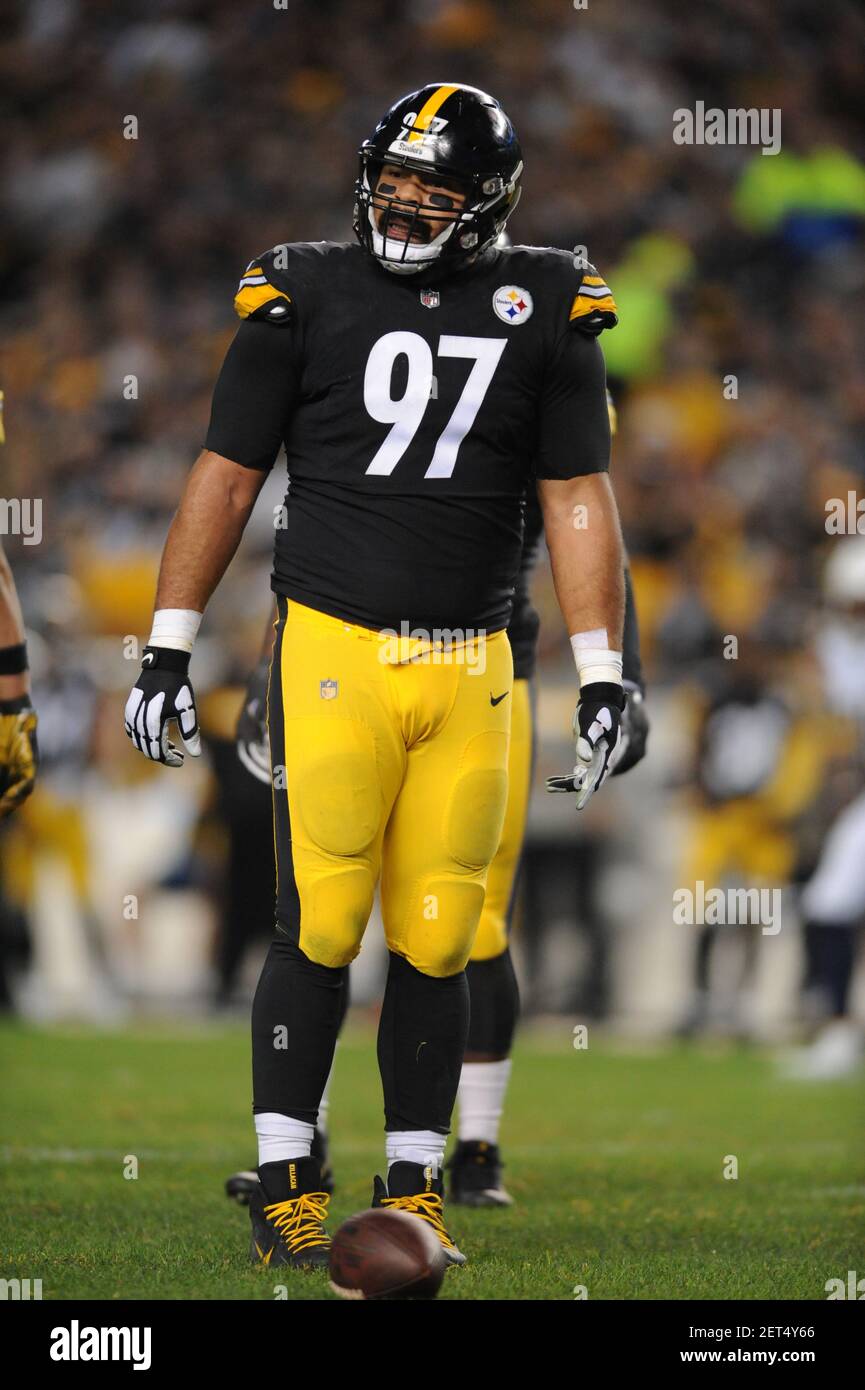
[
  {"x": 241, "y": 1185},
  {"x": 288, "y": 1211},
  {"x": 411, "y": 1187},
  {"x": 476, "y": 1175}
]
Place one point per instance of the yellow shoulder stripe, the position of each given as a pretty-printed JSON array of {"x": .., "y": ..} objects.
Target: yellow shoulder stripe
[
  {"x": 582, "y": 305},
  {"x": 249, "y": 297},
  {"x": 594, "y": 294}
]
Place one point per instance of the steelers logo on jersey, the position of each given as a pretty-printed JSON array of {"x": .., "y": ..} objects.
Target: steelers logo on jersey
[{"x": 513, "y": 304}]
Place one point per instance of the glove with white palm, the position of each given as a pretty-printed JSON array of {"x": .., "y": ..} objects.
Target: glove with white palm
[
  {"x": 162, "y": 694},
  {"x": 597, "y": 726}
]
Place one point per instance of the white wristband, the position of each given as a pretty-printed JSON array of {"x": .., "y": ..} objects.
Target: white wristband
[
  {"x": 594, "y": 659},
  {"x": 175, "y": 627}
]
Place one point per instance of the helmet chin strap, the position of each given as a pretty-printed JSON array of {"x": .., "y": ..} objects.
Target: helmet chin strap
[{"x": 412, "y": 260}]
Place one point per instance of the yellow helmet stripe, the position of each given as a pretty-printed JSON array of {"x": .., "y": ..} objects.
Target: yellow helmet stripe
[{"x": 428, "y": 110}]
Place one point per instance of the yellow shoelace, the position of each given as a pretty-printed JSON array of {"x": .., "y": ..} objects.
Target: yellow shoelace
[
  {"x": 300, "y": 1219},
  {"x": 426, "y": 1205}
]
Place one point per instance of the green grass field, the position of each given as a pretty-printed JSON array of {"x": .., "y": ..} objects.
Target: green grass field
[{"x": 615, "y": 1158}]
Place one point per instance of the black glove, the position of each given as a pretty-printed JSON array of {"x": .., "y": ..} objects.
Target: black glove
[
  {"x": 253, "y": 744},
  {"x": 19, "y": 754},
  {"x": 596, "y": 727},
  {"x": 635, "y": 731},
  {"x": 163, "y": 693}
]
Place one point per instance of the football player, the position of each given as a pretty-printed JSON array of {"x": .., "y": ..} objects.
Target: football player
[
  {"x": 18, "y": 752},
  {"x": 418, "y": 381},
  {"x": 476, "y": 1165}
]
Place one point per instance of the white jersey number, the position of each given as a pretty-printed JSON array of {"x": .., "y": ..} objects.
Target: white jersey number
[{"x": 405, "y": 414}]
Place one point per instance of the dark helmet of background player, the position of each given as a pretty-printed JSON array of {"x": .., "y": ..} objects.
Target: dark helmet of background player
[{"x": 451, "y": 131}]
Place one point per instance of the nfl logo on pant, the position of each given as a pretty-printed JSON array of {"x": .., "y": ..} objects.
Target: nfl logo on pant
[{"x": 329, "y": 689}]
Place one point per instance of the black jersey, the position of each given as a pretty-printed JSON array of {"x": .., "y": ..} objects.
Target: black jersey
[{"x": 413, "y": 418}]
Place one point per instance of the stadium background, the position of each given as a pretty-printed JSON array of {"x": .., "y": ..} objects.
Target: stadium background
[{"x": 124, "y": 887}]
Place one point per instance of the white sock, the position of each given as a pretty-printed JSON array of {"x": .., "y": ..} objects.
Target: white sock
[
  {"x": 481, "y": 1098},
  {"x": 280, "y": 1137},
  {"x": 416, "y": 1146},
  {"x": 324, "y": 1104}
]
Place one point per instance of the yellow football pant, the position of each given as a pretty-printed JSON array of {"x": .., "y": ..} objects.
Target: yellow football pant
[
  {"x": 493, "y": 929},
  {"x": 390, "y": 761}
]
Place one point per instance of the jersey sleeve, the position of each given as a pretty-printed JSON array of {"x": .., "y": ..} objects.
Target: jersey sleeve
[
  {"x": 576, "y": 418},
  {"x": 258, "y": 385},
  {"x": 593, "y": 308},
  {"x": 262, "y": 294},
  {"x": 573, "y": 419}
]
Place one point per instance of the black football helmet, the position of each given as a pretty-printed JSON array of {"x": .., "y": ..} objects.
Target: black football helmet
[{"x": 451, "y": 132}]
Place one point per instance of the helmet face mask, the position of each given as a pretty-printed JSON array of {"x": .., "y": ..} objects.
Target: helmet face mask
[
  {"x": 470, "y": 146},
  {"x": 417, "y": 244}
]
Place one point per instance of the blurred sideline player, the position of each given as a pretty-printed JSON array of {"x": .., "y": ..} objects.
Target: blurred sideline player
[
  {"x": 833, "y": 900},
  {"x": 418, "y": 381},
  {"x": 476, "y": 1164},
  {"x": 18, "y": 752},
  {"x": 744, "y": 815}
]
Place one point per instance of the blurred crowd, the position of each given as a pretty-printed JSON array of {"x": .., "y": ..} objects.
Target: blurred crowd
[{"x": 153, "y": 148}]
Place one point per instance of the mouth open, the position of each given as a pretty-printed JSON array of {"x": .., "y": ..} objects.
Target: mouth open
[{"x": 405, "y": 228}]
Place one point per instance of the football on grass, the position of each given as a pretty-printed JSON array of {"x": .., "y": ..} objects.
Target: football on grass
[{"x": 386, "y": 1254}]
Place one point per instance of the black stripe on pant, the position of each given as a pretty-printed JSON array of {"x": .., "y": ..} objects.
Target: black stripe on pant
[
  {"x": 299, "y": 1005},
  {"x": 287, "y": 899}
]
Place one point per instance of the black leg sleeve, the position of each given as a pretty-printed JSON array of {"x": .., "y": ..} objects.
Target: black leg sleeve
[
  {"x": 421, "y": 1040},
  {"x": 495, "y": 1005},
  {"x": 296, "y": 1016}
]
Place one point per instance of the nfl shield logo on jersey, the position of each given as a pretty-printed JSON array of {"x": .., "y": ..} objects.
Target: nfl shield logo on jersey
[
  {"x": 329, "y": 689},
  {"x": 431, "y": 299},
  {"x": 513, "y": 304}
]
